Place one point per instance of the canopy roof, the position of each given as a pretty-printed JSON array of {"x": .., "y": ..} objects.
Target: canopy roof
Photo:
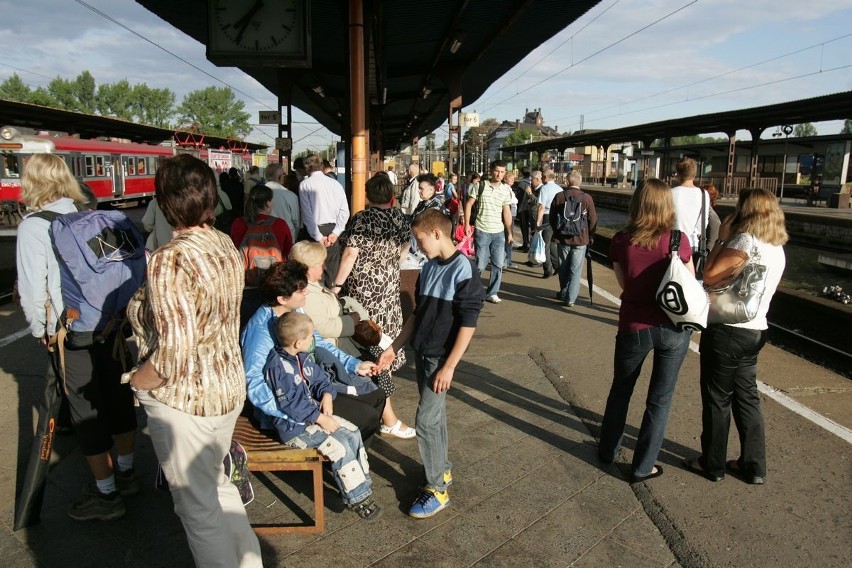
[{"x": 414, "y": 48}]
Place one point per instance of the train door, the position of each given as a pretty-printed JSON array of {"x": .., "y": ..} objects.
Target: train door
[{"x": 118, "y": 174}]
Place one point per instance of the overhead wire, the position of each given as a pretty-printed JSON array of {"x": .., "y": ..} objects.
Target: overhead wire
[
  {"x": 548, "y": 54},
  {"x": 596, "y": 53},
  {"x": 176, "y": 56}
]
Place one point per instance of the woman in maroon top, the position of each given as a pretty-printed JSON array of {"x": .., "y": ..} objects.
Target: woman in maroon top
[{"x": 640, "y": 257}]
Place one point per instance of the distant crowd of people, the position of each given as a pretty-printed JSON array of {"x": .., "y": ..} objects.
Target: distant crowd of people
[{"x": 264, "y": 296}]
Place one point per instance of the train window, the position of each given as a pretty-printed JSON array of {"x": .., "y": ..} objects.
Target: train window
[
  {"x": 152, "y": 165},
  {"x": 130, "y": 165},
  {"x": 99, "y": 166},
  {"x": 90, "y": 166},
  {"x": 141, "y": 166},
  {"x": 11, "y": 166}
]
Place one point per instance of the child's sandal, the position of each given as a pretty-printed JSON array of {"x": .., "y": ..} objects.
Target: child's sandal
[{"x": 368, "y": 510}]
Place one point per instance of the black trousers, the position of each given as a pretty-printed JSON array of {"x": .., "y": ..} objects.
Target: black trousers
[
  {"x": 524, "y": 222},
  {"x": 364, "y": 411},
  {"x": 729, "y": 383},
  {"x": 100, "y": 405}
]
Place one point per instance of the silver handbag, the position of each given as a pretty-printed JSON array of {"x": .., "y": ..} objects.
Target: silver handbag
[{"x": 740, "y": 301}]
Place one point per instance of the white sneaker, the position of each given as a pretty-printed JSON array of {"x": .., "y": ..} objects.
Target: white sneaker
[{"x": 494, "y": 299}]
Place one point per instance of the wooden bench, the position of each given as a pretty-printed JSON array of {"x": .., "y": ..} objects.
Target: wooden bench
[{"x": 268, "y": 454}]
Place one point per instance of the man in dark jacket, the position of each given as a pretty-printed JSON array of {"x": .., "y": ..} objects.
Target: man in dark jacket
[{"x": 572, "y": 235}]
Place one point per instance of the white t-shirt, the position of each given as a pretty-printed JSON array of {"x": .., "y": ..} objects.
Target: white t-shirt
[
  {"x": 771, "y": 256},
  {"x": 687, "y": 206}
]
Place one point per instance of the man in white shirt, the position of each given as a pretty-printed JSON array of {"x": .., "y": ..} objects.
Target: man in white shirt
[
  {"x": 493, "y": 225},
  {"x": 687, "y": 200},
  {"x": 285, "y": 203},
  {"x": 411, "y": 194},
  {"x": 325, "y": 212},
  {"x": 548, "y": 191}
]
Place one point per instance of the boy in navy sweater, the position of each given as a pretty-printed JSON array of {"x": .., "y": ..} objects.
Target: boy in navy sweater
[
  {"x": 449, "y": 299},
  {"x": 303, "y": 393}
]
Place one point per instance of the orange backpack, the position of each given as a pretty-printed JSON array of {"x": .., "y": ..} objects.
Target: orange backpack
[{"x": 260, "y": 249}]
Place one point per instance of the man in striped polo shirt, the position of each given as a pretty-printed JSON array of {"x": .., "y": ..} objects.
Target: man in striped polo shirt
[{"x": 493, "y": 225}]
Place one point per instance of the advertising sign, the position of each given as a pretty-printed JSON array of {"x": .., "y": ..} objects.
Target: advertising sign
[{"x": 220, "y": 161}]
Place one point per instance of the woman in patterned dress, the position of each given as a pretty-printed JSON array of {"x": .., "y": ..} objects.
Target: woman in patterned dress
[{"x": 375, "y": 241}]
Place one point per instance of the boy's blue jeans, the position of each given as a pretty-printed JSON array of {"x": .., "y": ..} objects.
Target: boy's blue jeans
[
  {"x": 348, "y": 457},
  {"x": 431, "y": 423}
]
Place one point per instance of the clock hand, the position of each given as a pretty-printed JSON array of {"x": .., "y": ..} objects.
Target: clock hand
[{"x": 243, "y": 22}]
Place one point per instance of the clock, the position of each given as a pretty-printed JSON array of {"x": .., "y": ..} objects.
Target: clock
[{"x": 252, "y": 33}]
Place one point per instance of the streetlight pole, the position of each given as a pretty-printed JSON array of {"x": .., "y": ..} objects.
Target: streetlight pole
[{"x": 786, "y": 130}]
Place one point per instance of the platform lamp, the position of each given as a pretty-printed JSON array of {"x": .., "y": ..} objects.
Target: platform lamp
[{"x": 787, "y": 130}]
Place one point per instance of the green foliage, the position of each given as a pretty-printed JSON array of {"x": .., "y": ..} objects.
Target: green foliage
[
  {"x": 84, "y": 91},
  {"x": 217, "y": 110},
  {"x": 14, "y": 89},
  {"x": 64, "y": 92},
  {"x": 847, "y": 126},
  {"x": 115, "y": 99},
  {"x": 42, "y": 97},
  {"x": 804, "y": 129},
  {"x": 153, "y": 106},
  {"x": 518, "y": 136}
]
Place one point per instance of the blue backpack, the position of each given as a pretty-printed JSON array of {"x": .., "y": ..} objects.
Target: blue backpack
[{"x": 102, "y": 263}]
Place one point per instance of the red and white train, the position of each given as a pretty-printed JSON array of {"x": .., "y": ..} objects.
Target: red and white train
[{"x": 117, "y": 172}]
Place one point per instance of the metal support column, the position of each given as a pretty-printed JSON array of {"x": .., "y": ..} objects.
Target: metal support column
[
  {"x": 732, "y": 158},
  {"x": 755, "y": 145},
  {"x": 358, "y": 103}
]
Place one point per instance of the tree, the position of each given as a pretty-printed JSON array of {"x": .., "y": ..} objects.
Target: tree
[
  {"x": 115, "y": 99},
  {"x": 14, "y": 89},
  {"x": 84, "y": 91},
  {"x": 64, "y": 92},
  {"x": 804, "y": 129},
  {"x": 42, "y": 97},
  {"x": 217, "y": 110},
  {"x": 154, "y": 106},
  {"x": 847, "y": 126},
  {"x": 518, "y": 136}
]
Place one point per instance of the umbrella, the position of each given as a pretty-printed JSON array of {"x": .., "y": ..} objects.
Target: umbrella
[
  {"x": 589, "y": 274},
  {"x": 28, "y": 503}
]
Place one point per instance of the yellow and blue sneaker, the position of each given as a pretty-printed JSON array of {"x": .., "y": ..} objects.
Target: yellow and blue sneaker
[{"x": 428, "y": 503}]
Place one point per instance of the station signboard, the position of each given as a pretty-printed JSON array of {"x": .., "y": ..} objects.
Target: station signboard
[{"x": 269, "y": 117}]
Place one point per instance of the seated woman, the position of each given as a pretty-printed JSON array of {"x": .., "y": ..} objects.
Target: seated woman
[{"x": 282, "y": 290}]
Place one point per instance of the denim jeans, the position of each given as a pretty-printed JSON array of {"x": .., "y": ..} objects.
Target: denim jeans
[
  {"x": 570, "y": 270},
  {"x": 508, "y": 260},
  {"x": 347, "y": 455},
  {"x": 431, "y": 423},
  {"x": 729, "y": 380},
  {"x": 631, "y": 348},
  {"x": 491, "y": 246}
]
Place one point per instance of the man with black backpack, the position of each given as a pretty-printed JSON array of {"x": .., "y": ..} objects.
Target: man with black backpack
[{"x": 574, "y": 220}]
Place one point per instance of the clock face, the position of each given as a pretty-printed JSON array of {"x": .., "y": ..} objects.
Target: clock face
[
  {"x": 258, "y": 32},
  {"x": 256, "y": 25}
]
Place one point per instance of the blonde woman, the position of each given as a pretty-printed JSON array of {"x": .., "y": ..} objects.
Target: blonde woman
[
  {"x": 640, "y": 257},
  {"x": 729, "y": 351},
  {"x": 101, "y": 408}
]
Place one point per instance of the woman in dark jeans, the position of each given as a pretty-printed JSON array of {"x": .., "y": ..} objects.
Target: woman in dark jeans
[
  {"x": 729, "y": 351},
  {"x": 640, "y": 258}
]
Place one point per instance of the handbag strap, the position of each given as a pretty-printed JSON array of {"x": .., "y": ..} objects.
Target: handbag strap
[{"x": 674, "y": 242}]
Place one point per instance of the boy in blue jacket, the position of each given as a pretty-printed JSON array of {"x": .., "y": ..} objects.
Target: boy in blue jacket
[
  {"x": 303, "y": 393},
  {"x": 449, "y": 299}
]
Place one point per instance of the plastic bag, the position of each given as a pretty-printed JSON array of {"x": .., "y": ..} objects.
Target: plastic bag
[{"x": 537, "y": 254}]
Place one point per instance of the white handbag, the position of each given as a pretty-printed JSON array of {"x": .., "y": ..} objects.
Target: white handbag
[{"x": 680, "y": 295}]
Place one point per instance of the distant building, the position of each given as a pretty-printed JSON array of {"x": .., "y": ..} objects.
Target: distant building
[{"x": 533, "y": 121}]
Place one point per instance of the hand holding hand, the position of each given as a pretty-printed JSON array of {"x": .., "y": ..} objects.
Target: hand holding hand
[
  {"x": 366, "y": 368},
  {"x": 385, "y": 359}
]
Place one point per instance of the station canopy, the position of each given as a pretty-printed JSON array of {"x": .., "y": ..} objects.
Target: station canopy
[
  {"x": 89, "y": 126},
  {"x": 837, "y": 106},
  {"x": 417, "y": 52}
]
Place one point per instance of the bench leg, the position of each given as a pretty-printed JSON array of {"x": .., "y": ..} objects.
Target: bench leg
[{"x": 319, "y": 502}]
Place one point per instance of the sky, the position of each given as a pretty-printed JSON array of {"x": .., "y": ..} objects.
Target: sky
[{"x": 624, "y": 62}]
